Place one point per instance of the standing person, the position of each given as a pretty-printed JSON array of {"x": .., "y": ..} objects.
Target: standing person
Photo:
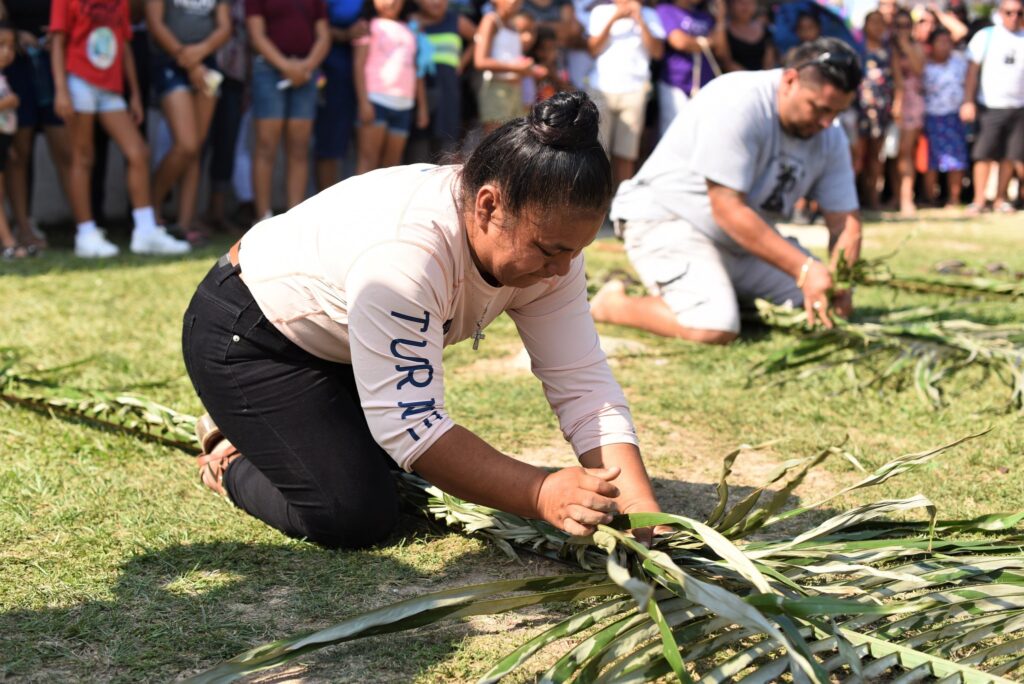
[
  {"x": 9, "y": 248},
  {"x": 878, "y": 101},
  {"x": 545, "y": 53},
  {"x": 31, "y": 78},
  {"x": 693, "y": 36},
  {"x": 944, "y": 77},
  {"x": 994, "y": 98},
  {"x": 909, "y": 61},
  {"x": 699, "y": 218},
  {"x": 446, "y": 31},
  {"x": 336, "y": 107},
  {"x": 624, "y": 37},
  {"x": 750, "y": 43},
  {"x": 185, "y": 36},
  {"x": 92, "y": 60},
  {"x": 498, "y": 53},
  {"x": 344, "y": 306},
  {"x": 232, "y": 60},
  {"x": 290, "y": 39},
  {"x": 388, "y": 89}
]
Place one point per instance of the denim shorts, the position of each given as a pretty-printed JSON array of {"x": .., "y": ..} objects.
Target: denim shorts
[
  {"x": 398, "y": 121},
  {"x": 271, "y": 102},
  {"x": 166, "y": 76},
  {"x": 89, "y": 99}
]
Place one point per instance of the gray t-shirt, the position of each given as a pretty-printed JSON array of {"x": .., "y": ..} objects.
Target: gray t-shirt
[
  {"x": 191, "y": 21},
  {"x": 730, "y": 134}
]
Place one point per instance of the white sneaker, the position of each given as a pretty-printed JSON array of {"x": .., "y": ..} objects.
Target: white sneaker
[
  {"x": 157, "y": 241},
  {"x": 94, "y": 245}
]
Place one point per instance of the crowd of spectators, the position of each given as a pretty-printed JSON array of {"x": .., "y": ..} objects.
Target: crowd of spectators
[{"x": 385, "y": 82}]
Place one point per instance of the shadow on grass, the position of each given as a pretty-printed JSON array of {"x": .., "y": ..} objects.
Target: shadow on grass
[{"x": 182, "y": 609}]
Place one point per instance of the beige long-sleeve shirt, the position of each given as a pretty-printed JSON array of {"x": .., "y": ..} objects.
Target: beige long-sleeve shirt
[{"x": 377, "y": 272}]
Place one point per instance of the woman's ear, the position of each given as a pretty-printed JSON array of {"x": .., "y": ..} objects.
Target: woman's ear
[{"x": 488, "y": 199}]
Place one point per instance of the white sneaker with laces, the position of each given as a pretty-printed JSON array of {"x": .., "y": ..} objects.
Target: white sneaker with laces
[
  {"x": 156, "y": 241},
  {"x": 94, "y": 245}
]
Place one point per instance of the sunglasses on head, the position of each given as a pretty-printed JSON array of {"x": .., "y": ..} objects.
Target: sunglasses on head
[{"x": 844, "y": 67}]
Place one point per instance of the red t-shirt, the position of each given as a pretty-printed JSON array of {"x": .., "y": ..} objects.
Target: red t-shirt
[
  {"x": 289, "y": 23},
  {"x": 96, "y": 32}
]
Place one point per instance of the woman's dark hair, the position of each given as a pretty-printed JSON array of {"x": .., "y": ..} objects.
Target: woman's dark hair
[
  {"x": 549, "y": 158},
  {"x": 809, "y": 16}
]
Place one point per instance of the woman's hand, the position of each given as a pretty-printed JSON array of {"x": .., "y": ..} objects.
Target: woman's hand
[
  {"x": 366, "y": 113},
  {"x": 422, "y": 118},
  {"x": 298, "y": 73},
  {"x": 27, "y": 39},
  {"x": 968, "y": 112},
  {"x": 62, "y": 105},
  {"x": 577, "y": 500},
  {"x": 190, "y": 56},
  {"x": 135, "y": 109}
]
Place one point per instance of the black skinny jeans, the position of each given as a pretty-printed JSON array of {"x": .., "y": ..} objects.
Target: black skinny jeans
[{"x": 310, "y": 467}]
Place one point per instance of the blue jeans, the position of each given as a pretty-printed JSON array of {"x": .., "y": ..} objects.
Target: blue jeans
[{"x": 271, "y": 102}]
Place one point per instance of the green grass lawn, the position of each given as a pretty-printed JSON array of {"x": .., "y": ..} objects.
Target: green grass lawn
[{"x": 115, "y": 564}]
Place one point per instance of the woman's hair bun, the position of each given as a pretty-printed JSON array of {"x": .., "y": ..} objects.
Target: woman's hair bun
[{"x": 565, "y": 120}]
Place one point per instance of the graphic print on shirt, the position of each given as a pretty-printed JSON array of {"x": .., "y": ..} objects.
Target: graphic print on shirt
[
  {"x": 101, "y": 46},
  {"x": 419, "y": 372},
  {"x": 789, "y": 171}
]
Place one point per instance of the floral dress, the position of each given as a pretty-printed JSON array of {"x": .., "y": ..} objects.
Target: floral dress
[{"x": 874, "y": 98}]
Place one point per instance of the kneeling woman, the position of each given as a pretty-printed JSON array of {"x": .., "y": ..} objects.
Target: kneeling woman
[{"x": 316, "y": 344}]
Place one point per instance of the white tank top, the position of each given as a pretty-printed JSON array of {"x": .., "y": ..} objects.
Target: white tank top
[{"x": 506, "y": 46}]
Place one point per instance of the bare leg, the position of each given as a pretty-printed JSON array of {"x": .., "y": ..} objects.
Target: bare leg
[
  {"x": 179, "y": 113},
  {"x": 611, "y": 304},
  {"x": 122, "y": 130},
  {"x": 370, "y": 141},
  {"x": 981, "y": 170},
  {"x": 1003, "y": 184},
  {"x": 955, "y": 182},
  {"x": 203, "y": 105},
  {"x": 297, "y": 133},
  {"x": 81, "y": 129},
  {"x": 872, "y": 172},
  {"x": 268, "y": 136},
  {"x": 7, "y": 240},
  {"x": 57, "y": 139},
  {"x": 327, "y": 173},
  {"x": 931, "y": 185},
  {"x": 622, "y": 170},
  {"x": 394, "y": 147},
  {"x": 908, "y": 149},
  {"x": 18, "y": 165}
]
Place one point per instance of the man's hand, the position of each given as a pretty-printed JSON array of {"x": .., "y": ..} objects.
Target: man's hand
[
  {"x": 968, "y": 112},
  {"x": 816, "y": 287},
  {"x": 577, "y": 499},
  {"x": 842, "y": 303}
]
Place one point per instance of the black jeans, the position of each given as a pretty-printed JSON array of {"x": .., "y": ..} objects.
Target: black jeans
[{"x": 310, "y": 467}]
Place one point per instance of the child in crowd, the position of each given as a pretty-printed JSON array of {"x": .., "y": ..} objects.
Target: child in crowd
[
  {"x": 184, "y": 39},
  {"x": 387, "y": 87},
  {"x": 445, "y": 31},
  {"x": 499, "y": 55},
  {"x": 92, "y": 61},
  {"x": 624, "y": 37},
  {"x": 944, "y": 77},
  {"x": 808, "y": 27},
  {"x": 545, "y": 54},
  {"x": 9, "y": 249},
  {"x": 878, "y": 101},
  {"x": 290, "y": 39}
]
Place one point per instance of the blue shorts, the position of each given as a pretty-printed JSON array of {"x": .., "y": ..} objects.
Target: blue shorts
[
  {"x": 271, "y": 102},
  {"x": 336, "y": 109},
  {"x": 32, "y": 81},
  {"x": 87, "y": 98},
  {"x": 398, "y": 121},
  {"x": 166, "y": 76}
]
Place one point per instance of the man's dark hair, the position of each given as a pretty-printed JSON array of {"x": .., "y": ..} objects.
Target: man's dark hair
[
  {"x": 827, "y": 60},
  {"x": 809, "y": 15},
  {"x": 937, "y": 32},
  {"x": 549, "y": 158}
]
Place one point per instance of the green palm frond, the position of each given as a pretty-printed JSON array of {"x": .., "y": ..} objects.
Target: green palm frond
[
  {"x": 857, "y": 597},
  {"x": 877, "y": 272},
  {"x": 910, "y": 342}
]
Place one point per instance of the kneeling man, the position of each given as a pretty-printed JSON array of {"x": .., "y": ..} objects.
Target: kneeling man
[{"x": 698, "y": 218}]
